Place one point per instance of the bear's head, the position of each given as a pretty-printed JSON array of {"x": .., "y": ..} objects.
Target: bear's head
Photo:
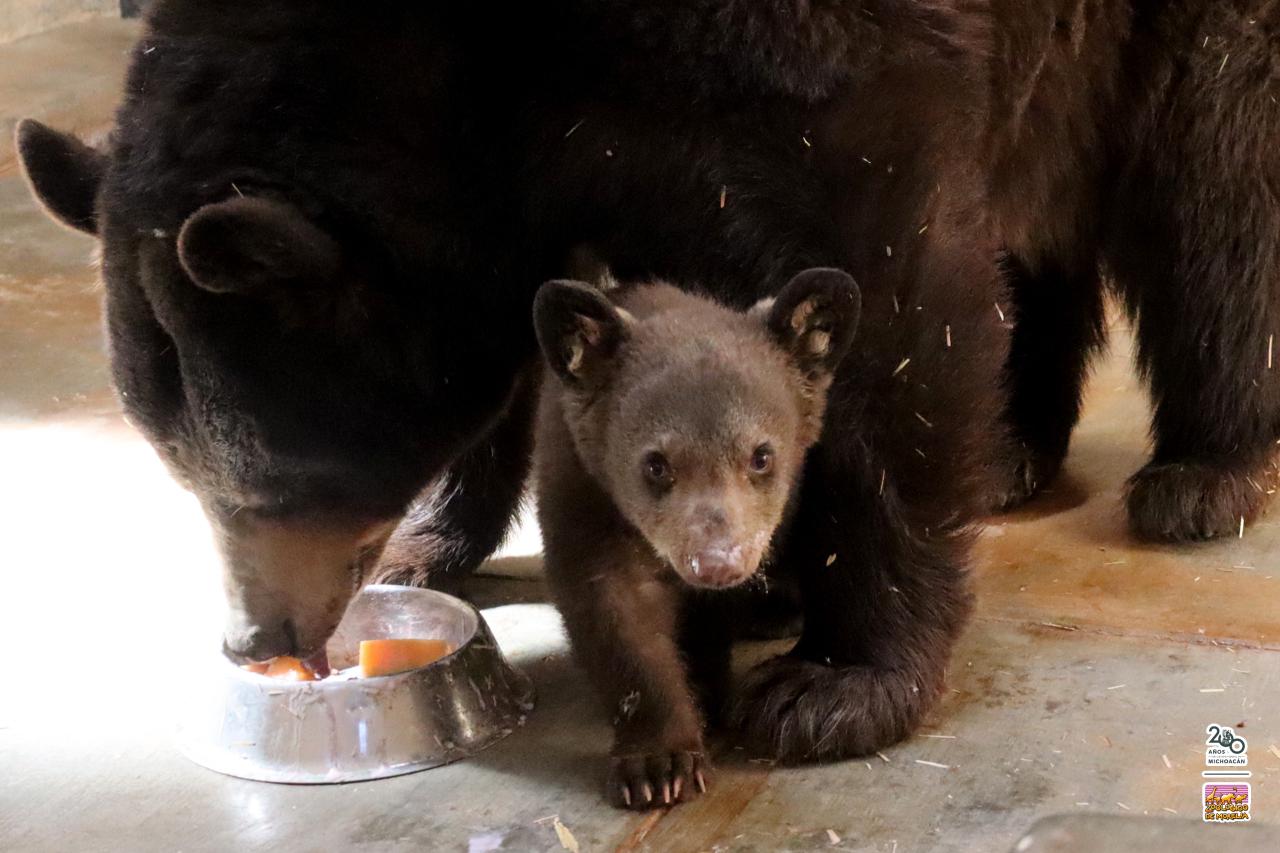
[
  {"x": 304, "y": 316},
  {"x": 696, "y": 419}
]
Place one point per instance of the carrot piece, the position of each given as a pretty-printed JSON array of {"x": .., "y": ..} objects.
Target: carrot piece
[
  {"x": 387, "y": 657},
  {"x": 289, "y": 669}
]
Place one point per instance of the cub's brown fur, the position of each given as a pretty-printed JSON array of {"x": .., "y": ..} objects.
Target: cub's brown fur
[{"x": 672, "y": 436}]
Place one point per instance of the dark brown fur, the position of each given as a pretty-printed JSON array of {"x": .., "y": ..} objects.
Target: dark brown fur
[{"x": 1138, "y": 139}]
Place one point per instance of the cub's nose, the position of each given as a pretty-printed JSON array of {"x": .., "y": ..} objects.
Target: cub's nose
[
  {"x": 720, "y": 565},
  {"x": 254, "y": 644}
]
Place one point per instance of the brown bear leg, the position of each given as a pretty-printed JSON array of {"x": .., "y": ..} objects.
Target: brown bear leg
[
  {"x": 1058, "y": 326},
  {"x": 623, "y": 624},
  {"x": 1197, "y": 255},
  {"x": 884, "y": 603},
  {"x": 460, "y": 519}
]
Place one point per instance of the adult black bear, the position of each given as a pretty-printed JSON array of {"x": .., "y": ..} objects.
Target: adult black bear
[
  {"x": 311, "y": 305},
  {"x": 914, "y": 143},
  {"x": 1140, "y": 138}
]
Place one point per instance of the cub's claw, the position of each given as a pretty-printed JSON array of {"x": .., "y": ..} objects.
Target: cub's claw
[{"x": 644, "y": 781}]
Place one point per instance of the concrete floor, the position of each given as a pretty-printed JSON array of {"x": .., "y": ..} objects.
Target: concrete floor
[
  {"x": 1082, "y": 689},
  {"x": 19, "y": 18}
]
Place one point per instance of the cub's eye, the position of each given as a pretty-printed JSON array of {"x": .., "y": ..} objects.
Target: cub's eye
[
  {"x": 762, "y": 460},
  {"x": 657, "y": 470}
]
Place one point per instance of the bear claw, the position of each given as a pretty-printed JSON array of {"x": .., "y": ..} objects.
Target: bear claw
[{"x": 654, "y": 780}]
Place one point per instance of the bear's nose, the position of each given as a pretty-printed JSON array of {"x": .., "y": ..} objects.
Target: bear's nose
[
  {"x": 719, "y": 565},
  {"x": 255, "y": 644}
]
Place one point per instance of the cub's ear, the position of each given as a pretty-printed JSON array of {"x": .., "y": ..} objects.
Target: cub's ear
[
  {"x": 254, "y": 245},
  {"x": 579, "y": 330},
  {"x": 815, "y": 317},
  {"x": 63, "y": 172}
]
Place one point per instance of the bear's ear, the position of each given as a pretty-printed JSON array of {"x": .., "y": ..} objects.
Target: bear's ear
[
  {"x": 579, "y": 330},
  {"x": 814, "y": 318},
  {"x": 253, "y": 245},
  {"x": 63, "y": 172}
]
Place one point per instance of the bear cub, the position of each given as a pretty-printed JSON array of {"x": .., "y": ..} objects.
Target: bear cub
[{"x": 672, "y": 435}]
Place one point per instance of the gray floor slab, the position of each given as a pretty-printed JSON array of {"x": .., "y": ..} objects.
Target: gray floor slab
[{"x": 1084, "y": 724}]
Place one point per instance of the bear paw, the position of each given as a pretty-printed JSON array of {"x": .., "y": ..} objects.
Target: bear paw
[
  {"x": 1183, "y": 502},
  {"x": 657, "y": 779},
  {"x": 1021, "y": 477},
  {"x": 797, "y": 710}
]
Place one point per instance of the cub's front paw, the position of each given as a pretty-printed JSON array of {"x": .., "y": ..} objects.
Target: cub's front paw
[{"x": 656, "y": 779}]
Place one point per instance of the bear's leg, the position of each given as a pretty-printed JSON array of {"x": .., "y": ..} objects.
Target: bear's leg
[
  {"x": 624, "y": 628},
  {"x": 1197, "y": 255},
  {"x": 884, "y": 603},
  {"x": 707, "y": 627},
  {"x": 1058, "y": 326},
  {"x": 460, "y": 519},
  {"x": 769, "y": 608}
]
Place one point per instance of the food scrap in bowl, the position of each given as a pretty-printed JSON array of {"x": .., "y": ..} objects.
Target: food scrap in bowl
[
  {"x": 285, "y": 668},
  {"x": 377, "y": 657},
  {"x": 387, "y": 657}
]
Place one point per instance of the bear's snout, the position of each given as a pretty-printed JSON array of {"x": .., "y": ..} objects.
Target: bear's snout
[
  {"x": 255, "y": 643},
  {"x": 288, "y": 582},
  {"x": 721, "y": 564},
  {"x": 713, "y": 548}
]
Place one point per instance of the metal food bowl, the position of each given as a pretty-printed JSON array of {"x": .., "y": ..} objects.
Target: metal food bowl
[{"x": 351, "y": 729}]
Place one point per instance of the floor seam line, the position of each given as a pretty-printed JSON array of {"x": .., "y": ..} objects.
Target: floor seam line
[{"x": 1101, "y": 631}]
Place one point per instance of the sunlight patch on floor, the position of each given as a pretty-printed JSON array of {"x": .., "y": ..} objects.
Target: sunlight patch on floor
[{"x": 111, "y": 579}]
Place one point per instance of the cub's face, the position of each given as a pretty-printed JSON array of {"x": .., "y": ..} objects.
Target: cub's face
[
  {"x": 704, "y": 461},
  {"x": 696, "y": 419}
]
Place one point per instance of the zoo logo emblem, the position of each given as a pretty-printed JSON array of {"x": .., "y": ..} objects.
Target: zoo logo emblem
[
  {"x": 1226, "y": 803},
  {"x": 1225, "y": 748}
]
